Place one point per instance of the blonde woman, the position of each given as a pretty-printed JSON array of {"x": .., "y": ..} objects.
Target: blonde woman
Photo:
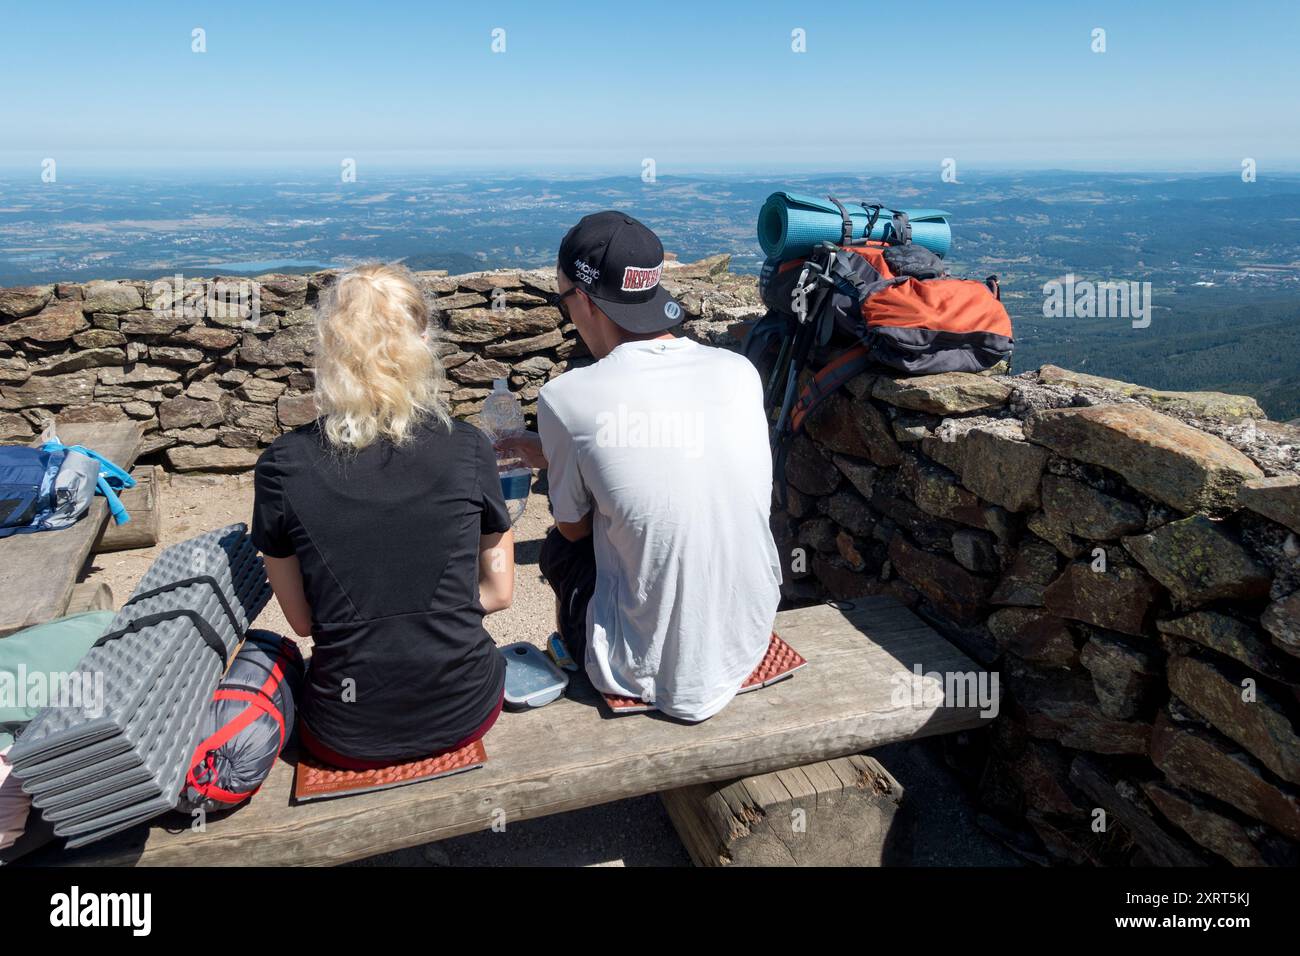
[{"x": 386, "y": 538}]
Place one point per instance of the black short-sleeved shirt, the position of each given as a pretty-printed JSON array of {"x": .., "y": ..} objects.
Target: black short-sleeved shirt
[{"x": 388, "y": 541}]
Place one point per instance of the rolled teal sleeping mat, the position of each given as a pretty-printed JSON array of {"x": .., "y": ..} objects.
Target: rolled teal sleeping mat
[
  {"x": 791, "y": 225},
  {"x": 33, "y": 661}
]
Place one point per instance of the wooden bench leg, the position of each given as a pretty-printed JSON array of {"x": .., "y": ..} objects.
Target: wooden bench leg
[
  {"x": 842, "y": 812},
  {"x": 143, "y": 503},
  {"x": 90, "y": 596}
]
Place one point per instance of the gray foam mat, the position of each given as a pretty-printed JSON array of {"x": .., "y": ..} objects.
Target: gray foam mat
[{"x": 96, "y": 775}]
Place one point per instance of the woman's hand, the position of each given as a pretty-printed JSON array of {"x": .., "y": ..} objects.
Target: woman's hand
[{"x": 526, "y": 446}]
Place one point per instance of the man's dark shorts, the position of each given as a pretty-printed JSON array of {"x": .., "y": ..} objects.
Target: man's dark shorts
[{"x": 570, "y": 569}]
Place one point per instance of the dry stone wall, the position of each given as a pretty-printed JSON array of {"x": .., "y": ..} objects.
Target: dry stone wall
[
  {"x": 1127, "y": 561},
  {"x": 216, "y": 368}
]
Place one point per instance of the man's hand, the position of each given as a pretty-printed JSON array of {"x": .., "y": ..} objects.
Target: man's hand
[{"x": 526, "y": 446}]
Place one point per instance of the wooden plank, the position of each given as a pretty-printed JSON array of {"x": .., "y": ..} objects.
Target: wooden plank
[
  {"x": 37, "y": 571},
  {"x": 570, "y": 754}
]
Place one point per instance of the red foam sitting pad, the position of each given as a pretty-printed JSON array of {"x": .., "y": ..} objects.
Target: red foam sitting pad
[
  {"x": 780, "y": 661},
  {"x": 317, "y": 781}
]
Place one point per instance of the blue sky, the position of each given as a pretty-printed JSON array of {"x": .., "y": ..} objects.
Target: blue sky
[{"x": 695, "y": 86}]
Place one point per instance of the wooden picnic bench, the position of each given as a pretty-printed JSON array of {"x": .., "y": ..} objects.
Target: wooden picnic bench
[
  {"x": 38, "y": 571},
  {"x": 573, "y": 754}
]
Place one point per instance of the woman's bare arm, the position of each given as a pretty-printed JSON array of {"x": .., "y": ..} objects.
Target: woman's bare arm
[
  {"x": 285, "y": 576},
  {"x": 496, "y": 571}
]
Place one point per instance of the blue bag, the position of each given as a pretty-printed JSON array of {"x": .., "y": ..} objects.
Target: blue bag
[{"x": 51, "y": 487}]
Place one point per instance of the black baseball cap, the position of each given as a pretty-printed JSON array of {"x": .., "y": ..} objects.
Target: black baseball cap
[{"x": 618, "y": 262}]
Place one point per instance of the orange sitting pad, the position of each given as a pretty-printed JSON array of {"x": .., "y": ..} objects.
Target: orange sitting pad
[
  {"x": 317, "y": 781},
  {"x": 780, "y": 661}
]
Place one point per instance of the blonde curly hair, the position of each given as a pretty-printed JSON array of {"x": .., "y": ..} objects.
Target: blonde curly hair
[{"x": 377, "y": 374}]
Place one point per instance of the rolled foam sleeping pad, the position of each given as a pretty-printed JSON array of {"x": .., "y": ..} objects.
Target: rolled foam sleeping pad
[{"x": 790, "y": 225}]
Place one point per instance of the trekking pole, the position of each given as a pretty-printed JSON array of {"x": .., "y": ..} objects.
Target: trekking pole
[{"x": 804, "y": 337}]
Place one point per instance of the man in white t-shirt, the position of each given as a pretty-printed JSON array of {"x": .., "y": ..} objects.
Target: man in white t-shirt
[{"x": 666, "y": 575}]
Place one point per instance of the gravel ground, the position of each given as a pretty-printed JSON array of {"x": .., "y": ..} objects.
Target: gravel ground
[{"x": 633, "y": 832}]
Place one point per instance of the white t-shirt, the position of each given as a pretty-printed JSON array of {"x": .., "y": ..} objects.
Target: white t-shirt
[{"x": 665, "y": 442}]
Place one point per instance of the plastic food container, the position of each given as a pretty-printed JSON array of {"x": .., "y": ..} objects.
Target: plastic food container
[{"x": 531, "y": 679}]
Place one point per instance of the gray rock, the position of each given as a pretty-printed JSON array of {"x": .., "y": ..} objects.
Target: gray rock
[
  {"x": 17, "y": 302},
  {"x": 945, "y": 394},
  {"x": 1161, "y": 457},
  {"x": 1199, "y": 562},
  {"x": 1277, "y": 498},
  {"x": 111, "y": 297},
  {"x": 54, "y": 323}
]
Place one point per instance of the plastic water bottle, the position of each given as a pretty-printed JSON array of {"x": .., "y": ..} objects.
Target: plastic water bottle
[{"x": 502, "y": 416}]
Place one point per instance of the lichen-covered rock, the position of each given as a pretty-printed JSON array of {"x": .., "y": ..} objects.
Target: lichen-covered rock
[
  {"x": 1051, "y": 529},
  {"x": 54, "y": 323},
  {"x": 98, "y": 339},
  {"x": 857, "y": 428},
  {"x": 281, "y": 293},
  {"x": 1034, "y": 635},
  {"x": 19, "y": 301},
  {"x": 1088, "y": 513},
  {"x": 110, "y": 297},
  {"x": 76, "y": 361},
  {"x": 999, "y": 466},
  {"x": 1035, "y": 565},
  {"x": 1159, "y": 456},
  {"x": 479, "y": 371},
  {"x": 74, "y": 388},
  {"x": 946, "y": 394},
  {"x": 211, "y": 458},
  {"x": 1124, "y": 676},
  {"x": 488, "y": 325},
  {"x": 808, "y": 470},
  {"x": 175, "y": 355},
  {"x": 14, "y": 370},
  {"x": 151, "y": 323},
  {"x": 1060, "y": 705},
  {"x": 1282, "y": 621},
  {"x": 1121, "y": 598},
  {"x": 525, "y": 346},
  {"x": 293, "y": 346},
  {"x": 850, "y": 511},
  {"x": 1277, "y": 498},
  {"x": 976, "y": 551},
  {"x": 138, "y": 374},
  {"x": 260, "y": 390},
  {"x": 1197, "y": 404},
  {"x": 1240, "y": 845},
  {"x": 185, "y": 412},
  {"x": 1250, "y": 716},
  {"x": 1227, "y": 635},
  {"x": 295, "y": 410},
  {"x": 818, "y": 534},
  {"x": 947, "y": 585},
  {"x": 1197, "y": 758},
  {"x": 14, "y": 428},
  {"x": 1199, "y": 562}
]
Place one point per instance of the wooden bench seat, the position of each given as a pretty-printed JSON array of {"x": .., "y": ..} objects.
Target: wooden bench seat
[{"x": 573, "y": 754}]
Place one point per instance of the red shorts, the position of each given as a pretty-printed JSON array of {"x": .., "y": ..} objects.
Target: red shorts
[{"x": 325, "y": 755}]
